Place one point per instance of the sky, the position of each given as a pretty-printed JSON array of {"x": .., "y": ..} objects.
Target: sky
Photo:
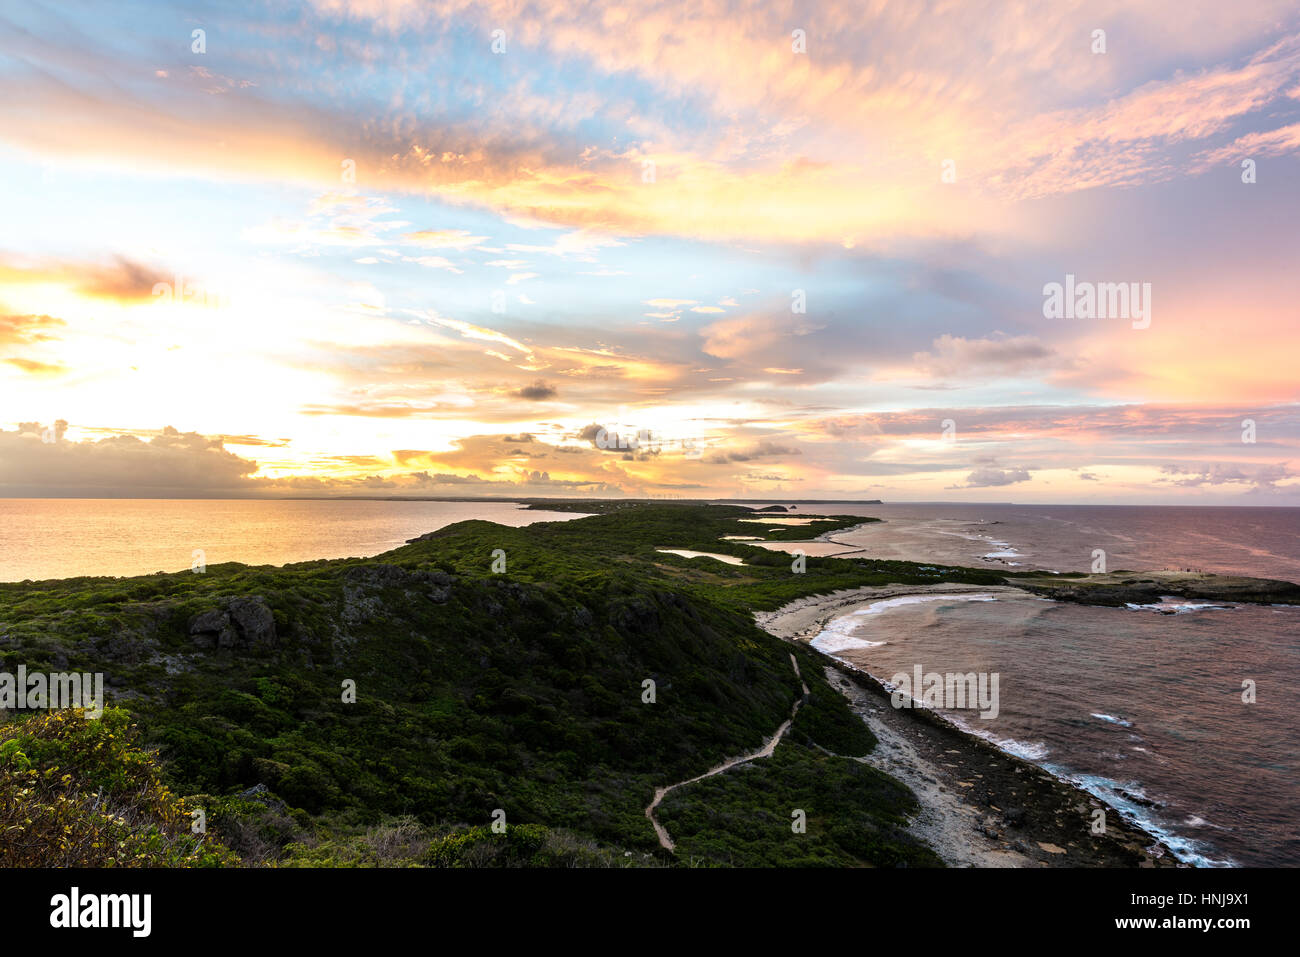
[{"x": 672, "y": 249}]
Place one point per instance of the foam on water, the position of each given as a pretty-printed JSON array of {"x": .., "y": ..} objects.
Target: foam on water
[
  {"x": 838, "y": 634},
  {"x": 1178, "y": 606},
  {"x": 1108, "y": 791},
  {"x": 1060, "y": 662},
  {"x": 1028, "y": 750},
  {"x": 1111, "y": 719}
]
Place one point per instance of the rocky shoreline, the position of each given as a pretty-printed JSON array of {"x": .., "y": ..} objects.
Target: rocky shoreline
[
  {"x": 1141, "y": 588},
  {"x": 980, "y": 806}
]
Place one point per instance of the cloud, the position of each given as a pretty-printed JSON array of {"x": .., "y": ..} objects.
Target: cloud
[
  {"x": 471, "y": 331},
  {"x": 592, "y": 434},
  {"x": 120, "y": 279},
  {"x": 1132, "y": 138},
  {"x": 27, "y": 330},
  {"x": 955, "y": 356},
  {"x": 1282, "y": 141},
  {"x": 774, "y": 172},
  {"x": 536, "y": 392},
  {"x": 32, "y": 367},
  {"x": 444, "y": 478},
  {"x": 253, "y": 440},
  {"x": 763, "y": 450},
  {"x": 171, "y": 462},
  {"x": 986, "y": 477},
  {"x": 748, "y": 336},
  {"x": 444, "y": 238},
  {"x": 123, "y": 280},
  {"x": 434, "y": 262},
  {"x": 841, "y": 142},
  {"x": 1258, "y": 478},
  {"x": 989, "y": 475}
]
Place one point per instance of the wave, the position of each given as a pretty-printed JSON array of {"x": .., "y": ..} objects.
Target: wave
[
  {"x": 1028, "y": 750},
  {"x": 1108, "y": 791},
  {"x": 1129, "y": 800},
  {"x": 1176, "y": 606},
  {"x": 1111, "y": 719},
  {"x": 837, "y": 635},
  {"x": 829, "y": 644}
]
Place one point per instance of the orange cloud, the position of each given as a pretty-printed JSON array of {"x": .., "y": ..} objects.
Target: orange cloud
[
  {"x": 122, "y": 279},
  {"x": 32, "y": 367},
  {"x": 27, "y": 330}
]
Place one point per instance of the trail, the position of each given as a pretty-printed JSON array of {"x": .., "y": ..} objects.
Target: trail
[{"x": 766, "y": 751}]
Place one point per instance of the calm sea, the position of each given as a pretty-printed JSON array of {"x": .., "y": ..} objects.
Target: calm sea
[{"x": 64, "y": 538}]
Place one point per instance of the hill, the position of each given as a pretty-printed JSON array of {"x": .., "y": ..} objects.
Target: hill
[{"x": 520, "y": 692}]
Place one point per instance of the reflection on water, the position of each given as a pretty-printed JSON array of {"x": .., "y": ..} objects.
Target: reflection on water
[{"x": 65, "y": 538}]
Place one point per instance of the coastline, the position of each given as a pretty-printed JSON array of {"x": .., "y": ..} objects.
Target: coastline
[{"x": 980, "y": 806}]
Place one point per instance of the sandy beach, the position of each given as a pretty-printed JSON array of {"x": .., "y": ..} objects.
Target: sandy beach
[{"x": 804, "y": 619}]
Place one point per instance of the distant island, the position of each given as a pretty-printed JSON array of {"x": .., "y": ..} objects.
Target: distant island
[{"x": 571, "y": 503}]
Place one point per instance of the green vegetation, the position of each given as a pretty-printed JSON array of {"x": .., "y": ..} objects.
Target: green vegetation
[
  {"x": 475, "y": 691},
  {"x": 852, "y": 814},
  {"x": 76, "y": 792},
  {"x": 405, "y": 842}
]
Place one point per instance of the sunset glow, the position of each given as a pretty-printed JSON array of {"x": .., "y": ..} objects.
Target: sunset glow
[{"x": 360, "y": 247}]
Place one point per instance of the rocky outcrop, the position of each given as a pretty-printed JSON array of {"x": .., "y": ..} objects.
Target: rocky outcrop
[
  {"x": 435, "y": 584},
  {"x": 361, "y": 583},
  {"x": 1123, "y": 588},
  {"x": 238, "y": 624}
]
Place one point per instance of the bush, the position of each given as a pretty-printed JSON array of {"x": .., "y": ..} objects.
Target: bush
[
  {"x": 77, "y": 792},
  {"x": 519, "y": 845}
]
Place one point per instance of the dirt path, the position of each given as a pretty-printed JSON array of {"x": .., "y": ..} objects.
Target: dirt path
[{"x": 766, "y": 751}]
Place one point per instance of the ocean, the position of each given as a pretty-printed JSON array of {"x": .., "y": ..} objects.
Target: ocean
[
  {"x": 1142, "y": 708},
  {"x": 67, "y": 538},
  {"x": 1260, "y": 542}
]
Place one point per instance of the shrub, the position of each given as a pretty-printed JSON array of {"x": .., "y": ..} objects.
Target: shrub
[{"x": 77, "y": 792}]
